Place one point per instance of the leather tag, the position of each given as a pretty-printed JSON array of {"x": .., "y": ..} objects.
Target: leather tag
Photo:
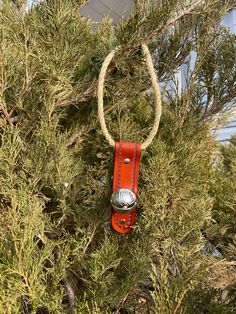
[{"x": 126, "y": 173}]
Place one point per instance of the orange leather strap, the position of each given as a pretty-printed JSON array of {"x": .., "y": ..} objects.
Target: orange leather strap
[{"x": 126, "y": 173}]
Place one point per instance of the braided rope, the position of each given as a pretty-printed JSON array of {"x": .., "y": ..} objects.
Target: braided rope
[{"x": 158, "y": 106}]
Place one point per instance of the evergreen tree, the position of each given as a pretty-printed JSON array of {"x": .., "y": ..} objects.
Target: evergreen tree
[
  {"x": 58, "y": 252},
  {"x": 222, "y": 233}
]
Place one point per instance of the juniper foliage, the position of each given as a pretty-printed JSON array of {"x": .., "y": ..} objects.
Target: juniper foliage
[{"x": 58, "y": 253}]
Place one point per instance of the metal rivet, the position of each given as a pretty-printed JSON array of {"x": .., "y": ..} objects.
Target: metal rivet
[
  {"x": 122, "y": 221},
  {"x": 127, "y": 161}
]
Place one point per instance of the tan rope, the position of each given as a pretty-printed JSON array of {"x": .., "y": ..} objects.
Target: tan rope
[{"x": 156, "y": 89}]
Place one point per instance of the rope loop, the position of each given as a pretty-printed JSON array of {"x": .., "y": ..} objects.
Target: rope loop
[{"x": 158, "y": 106}]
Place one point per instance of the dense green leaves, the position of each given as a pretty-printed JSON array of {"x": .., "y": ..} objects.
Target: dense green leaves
[{"x": 58, "y": 253}]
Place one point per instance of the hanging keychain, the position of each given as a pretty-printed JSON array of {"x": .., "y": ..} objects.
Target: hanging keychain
[{"x": 127, "y": 155}]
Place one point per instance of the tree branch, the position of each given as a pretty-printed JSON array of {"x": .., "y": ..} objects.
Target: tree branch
[
  {"x": 69, "y": 291},
  {"x": 85, "y": 95},
  {"x": 171, "y": 21}
]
